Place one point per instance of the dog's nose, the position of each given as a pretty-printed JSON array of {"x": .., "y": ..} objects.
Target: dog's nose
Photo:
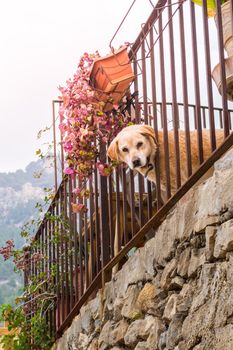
[{"x": 136, "y": 163}]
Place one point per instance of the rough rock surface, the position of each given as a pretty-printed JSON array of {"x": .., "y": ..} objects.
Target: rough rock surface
[{"x": 180, "y": 294}]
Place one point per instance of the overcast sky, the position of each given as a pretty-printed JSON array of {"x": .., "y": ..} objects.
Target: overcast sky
[{"x": 41, "y": 42}]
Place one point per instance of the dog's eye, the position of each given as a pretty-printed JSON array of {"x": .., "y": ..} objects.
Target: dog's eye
[
  {"x": 125, "y": 149},
  {"x": 139, "y": 144}
]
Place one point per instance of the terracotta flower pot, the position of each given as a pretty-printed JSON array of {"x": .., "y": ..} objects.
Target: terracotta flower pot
[
  {"x": 228, "y": 45},
  {"x": 227, "y": 27},
  {"x": 111, "y": 76},
  {"x": 216, "y": 75}
]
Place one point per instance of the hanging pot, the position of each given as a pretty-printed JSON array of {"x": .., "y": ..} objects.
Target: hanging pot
[
  {"x": 111, "y": 76},
  {"x": 228, "y": 45},
  {"x": 227, "y": 27},
  {"x": 216, "y": 75}
]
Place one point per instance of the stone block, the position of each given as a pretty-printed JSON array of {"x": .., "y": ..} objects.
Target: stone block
[
  {"x": 197, "y": 259},
  {"x": 138, "y": 330},
  {"x": 162, "y": 341},
  {"x": 142, "y": 345},
  {"x": 183, "y": 263},
  {"x": 224, "y": 239},
  {"x": 210, "y": 234},
  {"x": 206, "y": 221},
  {"x": 112, "y": 334},
  {"x": 145, "y": 299},
  {"x": 170, "y": 308},
  {"x": 168, "y": 273},
  {"x": 157, "y": 329},
  {"x": 130, "y": 307},
  {"x": 174, "y": 335}
]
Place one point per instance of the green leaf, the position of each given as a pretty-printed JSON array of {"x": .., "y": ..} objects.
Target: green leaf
[{"x": 210, "y": 6}]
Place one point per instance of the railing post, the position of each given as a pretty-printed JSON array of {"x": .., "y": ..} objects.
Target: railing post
[{"x": 104, "y": 217}]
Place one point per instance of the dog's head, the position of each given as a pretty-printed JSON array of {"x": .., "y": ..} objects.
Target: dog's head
[{"x": 134, "y": 145}]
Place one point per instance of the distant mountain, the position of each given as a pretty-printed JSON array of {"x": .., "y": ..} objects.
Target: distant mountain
[{"x": 19, "y": 193}]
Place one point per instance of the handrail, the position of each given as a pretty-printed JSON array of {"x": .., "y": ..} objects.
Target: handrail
[{"x": 154, "y": 222}]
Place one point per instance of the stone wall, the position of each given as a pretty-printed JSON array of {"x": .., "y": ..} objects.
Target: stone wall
[{"x": 175, "y": 293}]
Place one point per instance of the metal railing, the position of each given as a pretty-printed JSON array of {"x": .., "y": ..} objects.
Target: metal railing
[{"x": 172, "y": 60}]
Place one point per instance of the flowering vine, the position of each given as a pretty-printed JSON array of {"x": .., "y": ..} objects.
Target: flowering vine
[{"x": 84, "y": 124}]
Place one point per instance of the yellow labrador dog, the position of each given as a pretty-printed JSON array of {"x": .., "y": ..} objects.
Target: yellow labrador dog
[{"x": 136, "y": 145}]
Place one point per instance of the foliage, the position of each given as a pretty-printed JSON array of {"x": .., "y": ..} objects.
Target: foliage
[
  {"x": 84, "y": 124},
  {"x": 84, "y": 127},
  {"x": 25, "y": 333},
  {"x": 28, "y": 328},
  {"x": 211, "y": 5}
]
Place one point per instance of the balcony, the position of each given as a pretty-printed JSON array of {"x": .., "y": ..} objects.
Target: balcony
[{"x": 172, "y": 64}]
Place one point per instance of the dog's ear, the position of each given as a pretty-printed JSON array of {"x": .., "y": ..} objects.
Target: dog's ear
[
  {"x": 148, "y": 131},
  {"x": 113, "y": 150}
]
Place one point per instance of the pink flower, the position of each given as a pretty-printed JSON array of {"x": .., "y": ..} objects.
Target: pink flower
[
  {"x": 68, "y": 146},
  {"x": 69, "y": 171},
  {"x": 7, "y": 251},
  {"x": 84, "y": 124},
  {"x": 77, "y": 191},
  {"x": 79, "y": 208},
  {"x": 104, "y": 169}
]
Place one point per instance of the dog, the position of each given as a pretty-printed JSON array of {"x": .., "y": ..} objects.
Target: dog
[{"x": 137, "y": 145}]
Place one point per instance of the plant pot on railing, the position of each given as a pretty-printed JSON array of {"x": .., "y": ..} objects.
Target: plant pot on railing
[
  {"x": 111, "y": 76},
  {"x": 227, "y": 42},
  {"x": 227, "y": 27},
  {"x": 216, "y": 75},
  {"x": 228, "y": 45}
]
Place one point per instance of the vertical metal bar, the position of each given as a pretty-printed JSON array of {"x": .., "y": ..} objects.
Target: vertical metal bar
[
  {"x": 54, "y": 146},
  {"x": 118, "y": 214},
  {"x": 138, "y": 120},
  {"x": 125, "y": 206},
  {"x": 132, "y": 203},
  {"x": 97, "y": 221},
  {"x": 59, "y": 226},
  {"x": 92, "y": 232},
  {"x": 137, "y": 108},
  {"x": 66, "y": 253},
  {"x": 204, "y": 118},
  {"x": 174, "y": 98},
  {"x": 208, "y": 76},
  {"x": 231, "y": 1},
  {"x": 110, "y": 208},
  {"x": 164, "y": 110},
  {"x": 185, "y": 92},
  {"x": 220, "y": 118},
  {"x": 76, "y": 272},
  {"x": 71, "y": 244},
  {"x": 46, "y": 262},
  {"x": 50, "y": 274},
  {"x": 145, "y": 108},
  {"x": 62, "y": 151},
  {"x": 222, "y": 69},
  {"x": 86, "y": 253},
  {"x": 58, "y": 315},
  {"x": 144, "y": 84},
  {"x": 104, "y": 218},
  {"x": 155, "y": 119},
  {"x": 196, "y": 83},
  {"x": 81, "y": 246}
]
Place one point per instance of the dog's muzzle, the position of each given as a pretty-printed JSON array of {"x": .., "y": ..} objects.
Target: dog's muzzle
[{"x": 136, "y": 163}]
